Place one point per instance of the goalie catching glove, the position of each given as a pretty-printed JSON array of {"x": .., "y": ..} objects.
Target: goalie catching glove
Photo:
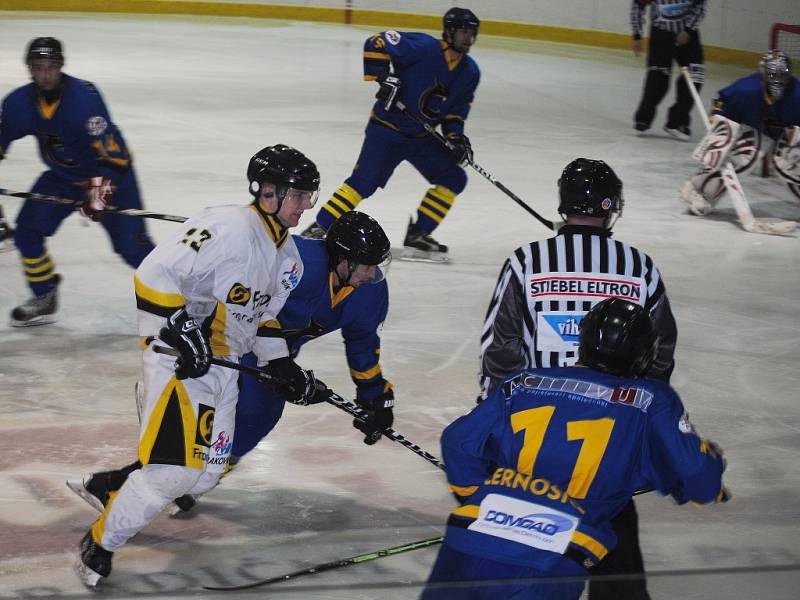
[
  {"x": 184, "y": 334},
  {"x": 98, "y": 195},
  {"x": 296, "y": 385},
  {"x": 378, "y": 415}
]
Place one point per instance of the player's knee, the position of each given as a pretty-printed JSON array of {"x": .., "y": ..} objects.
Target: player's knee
[
  {"x": 29, "y": 241},
  {"x": 165, "y": 482},
  {"x": 206, "y": 482},
  {"x": 454, "y": 180}
]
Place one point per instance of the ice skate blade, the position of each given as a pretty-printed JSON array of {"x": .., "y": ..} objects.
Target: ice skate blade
[
  {"x": 35, "y": 321},
  {"x": 88, "y": 577},
  {"x": 414, "y": 255},
  {"x": 88, "y": 497}
]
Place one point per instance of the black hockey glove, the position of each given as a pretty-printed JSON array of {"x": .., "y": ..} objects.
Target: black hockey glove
[
  {"x": 184, "y": 334},
  {"x": 296, "y": 385},
  {"x": 379, "y": 416},
  {"x": 460, "y": 148},
  {"x": 389, "y": 92}
]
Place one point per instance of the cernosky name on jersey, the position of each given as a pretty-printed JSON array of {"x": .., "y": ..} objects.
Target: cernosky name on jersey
[{"x": 546, "y": 287}]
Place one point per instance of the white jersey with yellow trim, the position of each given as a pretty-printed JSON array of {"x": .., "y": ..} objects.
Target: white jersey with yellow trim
[{"x": 233, "y": 268}]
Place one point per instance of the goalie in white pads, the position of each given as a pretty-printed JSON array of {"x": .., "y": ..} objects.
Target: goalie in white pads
[{"x": 756, "y": 115}]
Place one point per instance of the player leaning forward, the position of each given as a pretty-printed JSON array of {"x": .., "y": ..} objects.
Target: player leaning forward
[
  {"x": 211, "y": 288},
  {"x": 766, "y": 102}
]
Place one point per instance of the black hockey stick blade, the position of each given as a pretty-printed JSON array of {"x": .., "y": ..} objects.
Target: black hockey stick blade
[
  {"x": 128, "y": 212},
  {"x": 335, "y": 564},
  {"x": 493, "y": 180}
]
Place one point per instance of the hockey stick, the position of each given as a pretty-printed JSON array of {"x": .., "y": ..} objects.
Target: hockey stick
[
  {"x": 767, "y": 226},
  {"x": 128, "y": 212},
  {"x": 546, "y": 222},
  {"x": 335, "y": 399},
  {"x": 335, "y": 564}
]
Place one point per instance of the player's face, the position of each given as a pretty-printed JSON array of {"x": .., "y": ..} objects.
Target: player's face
[
  {"x": 294, "y": 204},
  {"x": 362, "y": 274},
  {"x": 46, "y": 73},
  {"x": 463, "y": 39}
]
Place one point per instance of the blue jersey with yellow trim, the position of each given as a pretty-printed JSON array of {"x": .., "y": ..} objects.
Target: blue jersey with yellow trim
[
  {"x": 545, "y": 462},
  {"x": 438, "y": 90},
  {"x": 359, "y": 314},
  {"x": 76, "y": 137},
  {"x": 744, "y": 101}
]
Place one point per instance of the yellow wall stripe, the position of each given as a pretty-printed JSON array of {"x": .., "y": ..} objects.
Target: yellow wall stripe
[{"x": 396, "y": 20}]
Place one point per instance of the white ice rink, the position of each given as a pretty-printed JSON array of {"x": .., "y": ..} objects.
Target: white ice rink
[{"x": 195, "y": 98}]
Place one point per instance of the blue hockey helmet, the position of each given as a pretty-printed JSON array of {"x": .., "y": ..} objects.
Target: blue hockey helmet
[{"x": 617, "y": 337}]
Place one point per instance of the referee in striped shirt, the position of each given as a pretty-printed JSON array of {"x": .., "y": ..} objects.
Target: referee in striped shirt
[
  {"x": 673, "y": 36},
  {"x": 543, "y": 291}
]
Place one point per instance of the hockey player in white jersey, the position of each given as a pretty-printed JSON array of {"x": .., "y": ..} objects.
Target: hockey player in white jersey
[
  {"x": 756, "y": 115},
  {"x": 213, "y": 288}
]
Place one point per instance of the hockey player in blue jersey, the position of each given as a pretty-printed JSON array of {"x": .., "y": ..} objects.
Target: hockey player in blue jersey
[
  {"x": 87, "y": 160},
  {"x": 542, "y": 466},
  {"x": 436, "y": 81},
  {"x": 758, "y": 114},
  {"x": 342, "y": 288}
]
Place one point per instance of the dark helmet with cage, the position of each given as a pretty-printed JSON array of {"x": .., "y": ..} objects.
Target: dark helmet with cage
[
  {"x": 776, "y": 72},
  {"x": 360, "y": 240},
  {"x": 459, "y": 18},
  {"x": 44, "y": 48},
  {"x": 286, "y": 169},
  {"x": 617, "y": 337},
  {"x": 590, "y": 188}
]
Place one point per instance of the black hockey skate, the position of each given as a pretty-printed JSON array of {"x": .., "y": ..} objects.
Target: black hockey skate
[
  {"x": 6, "y": 234},
  {"x": 182, "y": 505},
  {"x": 94, "y": 563},
  {"x": 314, "y": 232},
  {"x": 420, "y": 246},
  {"x": 681, "y": 132},
  {"x": 96, "y": 490},
  {"x": 39, "y": 310}
]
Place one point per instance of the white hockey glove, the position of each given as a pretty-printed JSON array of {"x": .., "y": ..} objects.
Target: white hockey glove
[{"x": 98, "y": 195}]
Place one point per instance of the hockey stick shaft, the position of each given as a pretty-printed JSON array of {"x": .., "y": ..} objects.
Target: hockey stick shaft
[
  {"x": 493, "y": 180},
  {"x": 335, "y": 399},
  {"x": 127, "y": 212},
  {"x": 335, "y": 564}
]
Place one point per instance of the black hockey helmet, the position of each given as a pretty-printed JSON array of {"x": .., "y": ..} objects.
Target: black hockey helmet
[
  {"x": 618, "y": 337},
  {"x": 589, "y": 188},
  {"x": 358, "y": 238},
  {"x": 285, "y": 168},
  {"x": 44, "y": 48},
  {"x": 776, "y": 72},
  {"x": 459, "y": 18}
]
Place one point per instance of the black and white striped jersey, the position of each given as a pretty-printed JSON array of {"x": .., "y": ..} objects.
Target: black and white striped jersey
[
  {"x": 546, "y": 287},
  {"x": 669, "y": 15}
]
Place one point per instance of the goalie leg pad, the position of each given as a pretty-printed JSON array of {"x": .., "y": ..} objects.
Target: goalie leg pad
[
  {"x": 786, "y": 158},
  {"x": 701, "y": 192},
  {"x": 713, "y": 149}
]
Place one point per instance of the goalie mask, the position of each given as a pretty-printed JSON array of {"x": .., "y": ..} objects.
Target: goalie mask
[
  {"x": 618, "y": 337},
  {"x": 360, "y": 240},
  {"x": 289, "y": 170},
  {"x": 590, "y": 188},
  {"x": 776, "y": 71}
]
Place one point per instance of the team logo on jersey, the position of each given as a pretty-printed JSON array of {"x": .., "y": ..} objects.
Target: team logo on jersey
[
  {"x": 291, "y": 277},
  {"x": 205, "y": 424},
  {"x": 239, "y": 294},
  {"x": 96, "y": 125},
  {"x": 431, "y": 101},
  {"x": 392, "y": 37},
  {"x": 673, "y": 12},
  {"x": 684, "y": 424}
]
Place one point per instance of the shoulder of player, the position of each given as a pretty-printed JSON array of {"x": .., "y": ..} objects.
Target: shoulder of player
[{"x": 81, "y": 88}]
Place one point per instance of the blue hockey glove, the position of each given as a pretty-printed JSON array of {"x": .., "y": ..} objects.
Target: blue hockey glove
[
  {"x": 379, "y": 416},
  {"x": 184, "y": 334},
  {"x": 389, "y": 92}
]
